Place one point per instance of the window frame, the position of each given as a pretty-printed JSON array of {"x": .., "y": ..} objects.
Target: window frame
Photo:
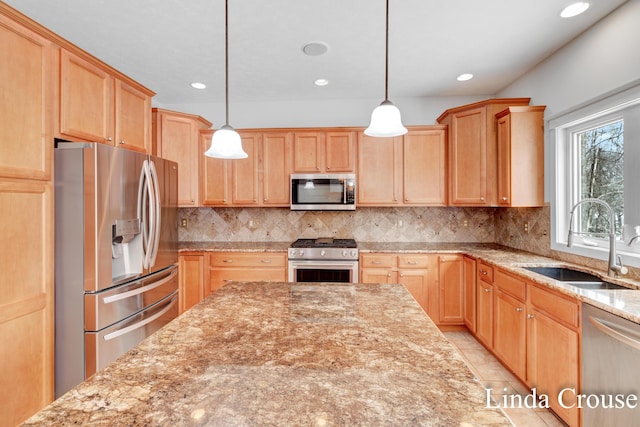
[{"x": 564, "y": 161}]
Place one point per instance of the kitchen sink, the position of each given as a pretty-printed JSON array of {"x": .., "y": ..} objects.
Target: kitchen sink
[{"x": 576, "y": 278}]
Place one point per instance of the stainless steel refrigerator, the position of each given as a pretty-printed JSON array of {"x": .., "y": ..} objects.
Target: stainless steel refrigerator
[{"x": 116, "y": 257}]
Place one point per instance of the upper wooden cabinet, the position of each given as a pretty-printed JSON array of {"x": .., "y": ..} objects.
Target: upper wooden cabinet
[
  {"x": 26, "y": 101},
  {"x": 97, "y": 106},
  {"x": 176, "y": 136},
  {"x": 473, "y": 151},
  {"x": 324, "y": 152},
  {"x": 405, "y": 170},
  {"x": 262, "y": 179},
  {"x": 521, "y": 156}
]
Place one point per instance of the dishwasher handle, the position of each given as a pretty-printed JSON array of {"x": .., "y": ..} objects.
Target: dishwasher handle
[{"x": 611, "y": 330}]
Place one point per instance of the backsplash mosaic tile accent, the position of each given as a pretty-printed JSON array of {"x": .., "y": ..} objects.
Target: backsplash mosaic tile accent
[{"x": 424, "y": 224}]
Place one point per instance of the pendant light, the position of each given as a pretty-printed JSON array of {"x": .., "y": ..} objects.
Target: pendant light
[
  {"x": 226, "y": 142},
  {"x": 385, "y": 119}
]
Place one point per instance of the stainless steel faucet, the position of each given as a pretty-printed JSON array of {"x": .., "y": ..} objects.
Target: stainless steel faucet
[{"x": 615, "y": 262}]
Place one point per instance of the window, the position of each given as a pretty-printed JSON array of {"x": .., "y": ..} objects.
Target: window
[{"x": 596, "y": 150}]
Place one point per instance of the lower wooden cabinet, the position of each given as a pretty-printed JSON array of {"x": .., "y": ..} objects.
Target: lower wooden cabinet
[
  {"x": 484, "y": 305},
  {"x": 510, "y": 332},
  {"x": 469, "y": 301},
  {"x": 191, "y": 267},
  {"x": 243, "y": 266},
  {"x": 451, "y": 290},
  {"x": 553, "y": 347}
]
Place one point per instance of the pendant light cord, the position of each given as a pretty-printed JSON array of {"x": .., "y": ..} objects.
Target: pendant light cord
[
  {"x": 386, "y": 57},
  {"x": 226, "y": 60}
]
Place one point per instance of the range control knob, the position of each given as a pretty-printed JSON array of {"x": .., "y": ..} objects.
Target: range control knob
[
  {"x": 353, "y": 254},
  {"x": 301, "y": 252},
  {"x": 345, "y": 254}
]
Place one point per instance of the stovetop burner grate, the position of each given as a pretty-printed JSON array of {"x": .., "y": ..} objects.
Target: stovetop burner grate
[{"x": 324, "y": 242}]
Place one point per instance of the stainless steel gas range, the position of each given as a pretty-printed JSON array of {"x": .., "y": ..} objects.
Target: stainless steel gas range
[{"x": 323, "y": 260}]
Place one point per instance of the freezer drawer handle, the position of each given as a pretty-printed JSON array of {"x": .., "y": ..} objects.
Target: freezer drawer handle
[
  {"x": 134, "y": 292},
  {"x": 608, "y": 329},
  {"x": 138, "y": 325}
]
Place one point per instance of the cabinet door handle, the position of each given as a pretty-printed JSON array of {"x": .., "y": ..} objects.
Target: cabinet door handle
[
  {"x": 519, "y": 309},
  {"x": 227, "y": 260},
  {"x": 266, "y": 261},
  {"x": 376, "y": 262},
  {"x": 412, "y": 262}
]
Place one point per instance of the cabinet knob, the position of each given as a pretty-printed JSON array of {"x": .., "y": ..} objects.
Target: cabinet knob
[
  {"x": 504, "y": 199},
  {"x": 519, "y": 309},
  {"x": 265, "y": 199},
  {"x": 388, "y": 274},
  {"x": 328, "y": 168},
  {"x": 122, "y": 142},
  {"x": 401, "y": 275},
  {"x": 530, "y": 316},
  {"x": 108, "y": 139},
  {"x": 482, "y": 199},
  {"x": 487, "y": 290}
]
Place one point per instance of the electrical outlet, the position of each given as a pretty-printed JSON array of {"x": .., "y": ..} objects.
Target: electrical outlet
[
  {"x": 526, "y": 227},
  {"x": 183, "y": 222},
  {"x": 465, "y": 223}
]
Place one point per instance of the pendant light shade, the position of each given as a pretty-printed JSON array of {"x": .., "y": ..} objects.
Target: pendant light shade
[
  {"x": 385, "y": 119},
  {"x": 226, "y": 142}
]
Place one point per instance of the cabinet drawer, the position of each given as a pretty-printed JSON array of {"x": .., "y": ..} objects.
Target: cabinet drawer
[
  {"x": 511, "y": 285},
  {"x": 378, "y": 261},
  {"x": 556, "y": 306},
  {"x": 239, "y": 259},
  {"x": 413, "y": 261},
  {"x": 485, "y": 272}
]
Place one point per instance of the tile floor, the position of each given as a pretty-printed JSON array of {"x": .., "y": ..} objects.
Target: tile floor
[{"x": 492, "y": 374}]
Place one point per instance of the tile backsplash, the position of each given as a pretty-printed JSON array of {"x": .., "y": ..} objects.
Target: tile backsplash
[{"x": 407, "y": 224}]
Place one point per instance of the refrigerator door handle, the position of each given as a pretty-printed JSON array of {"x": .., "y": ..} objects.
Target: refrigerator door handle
[
  {"x": 123, "y": 331},
  {"x": 146, "y": 194},
  {"x": 155, "y": 224},
  {"x": 125, "y": 295}
]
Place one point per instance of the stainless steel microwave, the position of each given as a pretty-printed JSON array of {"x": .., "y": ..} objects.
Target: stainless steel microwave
[{"x": 323, "y": 192}]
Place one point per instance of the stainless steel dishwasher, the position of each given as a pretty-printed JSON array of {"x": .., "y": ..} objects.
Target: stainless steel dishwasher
[{"x": 610, "y": 369}]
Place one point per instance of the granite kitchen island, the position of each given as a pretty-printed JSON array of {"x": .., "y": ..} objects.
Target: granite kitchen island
[{"x": 289, "y": 355}]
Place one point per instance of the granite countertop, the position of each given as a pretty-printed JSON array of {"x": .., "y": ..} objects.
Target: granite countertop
[
  {"x": 286, "y": 354},
  {"x": 624, "y": 303}
]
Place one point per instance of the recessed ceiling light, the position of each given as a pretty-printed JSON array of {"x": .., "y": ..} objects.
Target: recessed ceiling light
[
  {"x": 315, "y": 48},
  {"x": 321, "y": 82},
  {"x": 198, "y": 85},
  {"x": 574, "y": 9},
  {"x": 464, "y": 77}
]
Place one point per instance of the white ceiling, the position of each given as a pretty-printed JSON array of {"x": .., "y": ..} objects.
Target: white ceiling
[{"x": 167, "y": 44}]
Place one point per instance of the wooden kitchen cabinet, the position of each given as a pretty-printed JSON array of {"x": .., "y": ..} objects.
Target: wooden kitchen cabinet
[
  {"x": 469, "y": 280},
  {"x": 451, "y": 289},
  {"x": 509, "y": 316},
  {"x": 316, "y": 151},
  {"x": 379, "y": 171},
  {"x": 224, "y": 267},
  {"x": 553, "y": 347},
  {"x": 484, "y": 304},
  {"x": 472, "y": 151},
  {"x": 97, "y": 106},
  {"x": 176, "y": 136},
  {"x": 28, "y": 74},
  {"x": 192, "y": 284},
  {"x": 26, "y": 102},
  {"x": 262, "y": 179},
  {"x": 403, "y": 171},
  {"x": 521, "y": 156},
  {"x": 415, "y": 271},
  {"x": 26, "y": 298}
]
